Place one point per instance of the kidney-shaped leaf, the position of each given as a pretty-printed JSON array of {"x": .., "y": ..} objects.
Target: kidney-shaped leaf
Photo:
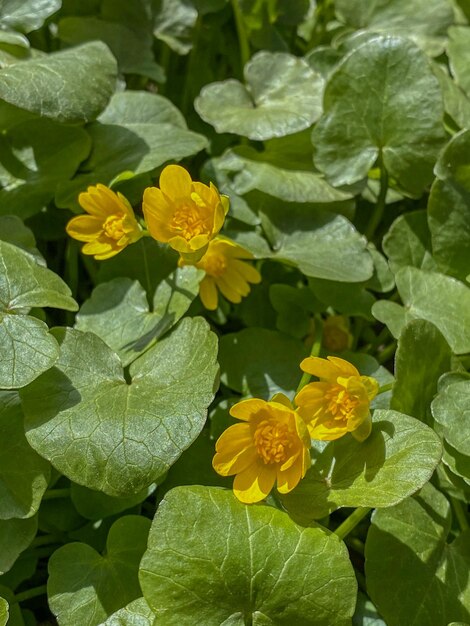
[
  {"x": 27, "y": 15},
  {"x": 396, "y": 460},
  {"x": 282, "y": 96},
  {"x": 137, "y": 613},
  {"x": 407, "y": 552},
  {"x": 15, "y": 536},
  {"x": 24, "y": 475},
  {"x": 111, "y": 579},
  {"x": 68, "y": 86},
  {"x": 382, "y": 101},
  {"x": 114, "y": 436},
  {"x": 236, "y": 564},
  {"x": 118, "y": 311},
  {"x": 451, "y": 408},
  {"x": 26, "y": 347}
]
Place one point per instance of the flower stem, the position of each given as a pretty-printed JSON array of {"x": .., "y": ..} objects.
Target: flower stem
[
  {"x": 385, "y": 388},
  {"x": 44, "y": 540},
  {"x": 377, "y": 213},
  {"x": 387, "y": 352},
  {"x": 242, "y": 38},
  {"x": 55, "y": 494},
  {"x": 31, "y": 593},
  {"x": 315, "y": 351},
  {"x": 146, "y": 268},
  {"x": 352, "y": 521},
  {"x": 460, "y": 513}
]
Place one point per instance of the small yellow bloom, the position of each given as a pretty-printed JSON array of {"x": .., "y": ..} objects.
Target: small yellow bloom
[
  {"x": 183, "y": 213},
  {"x": 272, "y": 444},
  {"x": 110, "y": 225},
  {"x": 225, "y": 271},
  {"x": 336, "y": 335},
  {"x": 339, "y": 402}
]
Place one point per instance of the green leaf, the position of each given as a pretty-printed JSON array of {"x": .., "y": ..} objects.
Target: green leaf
[
  {"x": 451, "y": 409},
  {"x": 118, "y": 311},
  {"x": 239, "y": 564},
  {"x": 396, "y": 460},
  {"x": 320, "y": 243},
  {"x": 459, "y": 57},
  {"x": 443, "y": 301},
  {"x": 4, "y": 612},
  {"x": 449, "y": 208},
  {"x": 421, "y": 357},
  {"x": 12, "y": 230},
  {"x": 111, "y": 579},
  {"x": 95, "y": 505},
  {"x": 133, "y": 50},
  {"x": 250, "y": 171},
  {"x": 24, "y": 475},
  {"x": 407, "y": 550},
  {"x": 58, "y": 87},
  {"x": 114, "y": 436},
  {"x": 456, "y": 103},
  {"x": 408, "y": 242},
  {"x": 248, "y": 368},
  {"x": 174, "y": 21},
  {"x": 348, "y": 298},
  {"x": 423, "y": 21},
  {"x": 381, "y": 103},
  {"x": 27, "y": 347},
  {"x": 37, "y": 155},
  {"x": 137, "y": 613},
  {"x": 138, "y": 132},
  {"x": 15, "y": 536},
  {"x": 26, "y": 15},
  {"x": 282, "y": 96},
  {"x": 393, "y": 315}
]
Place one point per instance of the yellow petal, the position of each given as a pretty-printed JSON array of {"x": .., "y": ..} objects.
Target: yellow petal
[
  {"x": 84, "y": 227},
  {"x": 363, "y": 430},
  {"x": 318, "y": 430},
  {"x": 289, "y": 478},
  {"x": 328, "y": 369},
  {"x": 247, "y": 271},
  {"x": 175, "y": 182},
  {"x": 281, "y": 398},
  {"x": 157, "y": 213},
  {"x": 254, "y": 483},
  {"x": 371, "y": 386},
  {"x": 98, "y": 247},
  {"x": 208, "y": 293},
  {"x": 236, "y": 436},
  {"x": 227, "y": 290},
  {"x": 246, "y": 409}
]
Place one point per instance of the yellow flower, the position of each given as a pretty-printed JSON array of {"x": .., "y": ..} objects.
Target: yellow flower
[
  {"x": 225, "y": 271},
  {"x": 109, "y": 226},
  {"x": 272, "y": 444},
  {"x": 339, "y": 402},
  {"x": 183, "y": 213},
  {"x": 336, "y": 335}
]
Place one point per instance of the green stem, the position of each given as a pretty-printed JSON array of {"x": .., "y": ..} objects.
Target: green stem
[
  {"x": 191, "y": 69},
  {"x": 356, "y": 544},
  {"x": 242, "y": 38},
  {"x": 30, "y": 593},
  {"x": 146, "y": 268},
  {"x": 387, "y": 353},
  {"x": 460, "y": 513},
  {"x": 55, "y": 494},
  {"x": 315, "y": 351},
  {"x": 378, "y": 211},
  {"x": 44, "y": 540},
  {"x": 352, "y": 521}
]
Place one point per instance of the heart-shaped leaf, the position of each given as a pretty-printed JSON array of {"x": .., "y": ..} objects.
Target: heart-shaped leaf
[
  {"x": 56, "y": 86},
  {"x": 382, "y": 102},
  {"x": 451, "y": 408},
  {"x": 407, "y": 550},
  {"x": 118, "y": 311},
  {"x": 396, "y": 460},
  {"x": 27, "y": 15},
  {"x": 15, "y": 536},
  {"x": 24, "y": 475},
  {"x": 27, "y": 349},
  {"x": 282, "y": 96},
  {"x": 137, "y": 613},
  {"x": 408, "y": 242},
  {"x": 114, "y": 436},
  {"x": 111, "y": 579},
  {"x": 237, "y": 564}
]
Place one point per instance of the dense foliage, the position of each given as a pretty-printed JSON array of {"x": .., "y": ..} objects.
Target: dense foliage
[{"x": 145, "y": 329}]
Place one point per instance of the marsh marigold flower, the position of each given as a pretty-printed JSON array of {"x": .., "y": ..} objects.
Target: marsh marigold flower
[
  {"x": 110, "y": 225},
  {"x": 183, "y": 213},
  {"x": 271, "y": 445},
  {"x": 339, "y": 402},
  {"x": 225, "y": 271}
]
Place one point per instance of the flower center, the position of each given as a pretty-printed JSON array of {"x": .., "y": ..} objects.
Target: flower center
[
  {"x": 189, "y": 221},
  {"x": 113, "y": 227},
  {"x": 215, "y": 264},
  {"x": 340, "y": 403},
  {"x": 273, "y": 441}
]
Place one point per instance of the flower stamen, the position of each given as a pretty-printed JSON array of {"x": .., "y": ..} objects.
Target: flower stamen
[{"x": 273, "y": 441}]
